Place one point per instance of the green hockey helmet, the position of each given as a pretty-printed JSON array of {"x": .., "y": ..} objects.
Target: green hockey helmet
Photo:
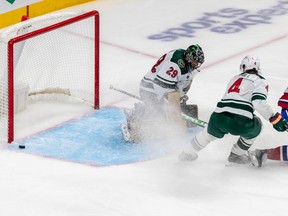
[{"x": 194, "y": 55}]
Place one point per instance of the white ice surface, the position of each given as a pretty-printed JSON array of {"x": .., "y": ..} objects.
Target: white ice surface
[{"x": 32, "y": 185}]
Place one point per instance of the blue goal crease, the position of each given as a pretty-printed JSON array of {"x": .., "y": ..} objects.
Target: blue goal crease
[{"x": 94, "y": 139}]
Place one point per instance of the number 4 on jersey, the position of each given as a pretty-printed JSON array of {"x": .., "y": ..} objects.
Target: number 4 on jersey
[{"x": 235, "y": 86}]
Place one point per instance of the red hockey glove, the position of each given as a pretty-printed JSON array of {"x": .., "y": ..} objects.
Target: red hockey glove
[{"x": 278, "y": 122}]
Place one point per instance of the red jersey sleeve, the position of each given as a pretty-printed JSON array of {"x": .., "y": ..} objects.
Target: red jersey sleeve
[{"x": 283, "y": 101}]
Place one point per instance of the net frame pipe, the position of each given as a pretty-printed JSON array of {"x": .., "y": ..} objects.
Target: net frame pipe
[{"x": 37, "y": 32}]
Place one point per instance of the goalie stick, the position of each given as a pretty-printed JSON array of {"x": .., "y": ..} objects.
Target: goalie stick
[
  {"x": 196, "y": 121},
  {"x": 124, "y": 92}
]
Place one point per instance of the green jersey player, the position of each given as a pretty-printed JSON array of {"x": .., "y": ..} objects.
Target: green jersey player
[{"x": 234, "y": 114}]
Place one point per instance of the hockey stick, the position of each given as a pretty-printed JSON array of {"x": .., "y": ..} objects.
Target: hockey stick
[
  {"x": 196, "y": 121},
  {"x": 124, "y": 92}
]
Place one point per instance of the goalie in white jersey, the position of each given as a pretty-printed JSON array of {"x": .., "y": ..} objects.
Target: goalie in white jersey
[
  {"x": 234, "y": 114},
  {"x": 174, "y": 71},
  {"x": 168, "y": 80}
]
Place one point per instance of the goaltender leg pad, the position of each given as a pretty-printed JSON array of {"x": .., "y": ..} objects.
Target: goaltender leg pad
[
  {"x": 172, "y": 106},
  {"x": 173, "y": 109},
  {"x": 154, "y": 122},
  {"x": 143, "y": 123},
  {"x": 130, "y": 130},
  {"x": 153, "y": 129}
]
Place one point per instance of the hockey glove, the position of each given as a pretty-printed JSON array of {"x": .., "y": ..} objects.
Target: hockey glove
[
  {"x": 184, "y": 99},
  {"x": 278, "y": 122}
]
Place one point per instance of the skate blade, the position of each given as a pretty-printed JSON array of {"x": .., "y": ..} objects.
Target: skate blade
[{"x": 232, "y": 164}]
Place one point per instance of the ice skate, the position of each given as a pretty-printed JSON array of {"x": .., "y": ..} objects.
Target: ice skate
[
  {"x": 125, "y": 132},
  {"x": 238, "y": 159},
  {"x": 258, "y": 157},
  {"x": 185, "y": 156}
]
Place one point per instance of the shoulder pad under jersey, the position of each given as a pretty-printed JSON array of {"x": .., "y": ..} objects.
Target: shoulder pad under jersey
[{"x": 178, "y": 58}]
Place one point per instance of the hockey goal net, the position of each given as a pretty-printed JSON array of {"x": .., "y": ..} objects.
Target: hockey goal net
[{"x": 52, "y": 57}]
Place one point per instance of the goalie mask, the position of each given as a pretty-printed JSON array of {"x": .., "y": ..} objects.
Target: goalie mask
[
  {"x": 194, "y": 56},
  {"x": 250, "y": 63}
]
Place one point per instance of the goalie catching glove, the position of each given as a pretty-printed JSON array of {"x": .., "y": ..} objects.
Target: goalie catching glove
[{"x": 278, "y": 122}]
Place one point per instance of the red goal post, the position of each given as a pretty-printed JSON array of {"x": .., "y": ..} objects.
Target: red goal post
[{"x": 55, "y": 54}]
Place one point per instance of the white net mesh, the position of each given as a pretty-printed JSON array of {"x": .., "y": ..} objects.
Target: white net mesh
[{"x": 56, "y": 64}]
